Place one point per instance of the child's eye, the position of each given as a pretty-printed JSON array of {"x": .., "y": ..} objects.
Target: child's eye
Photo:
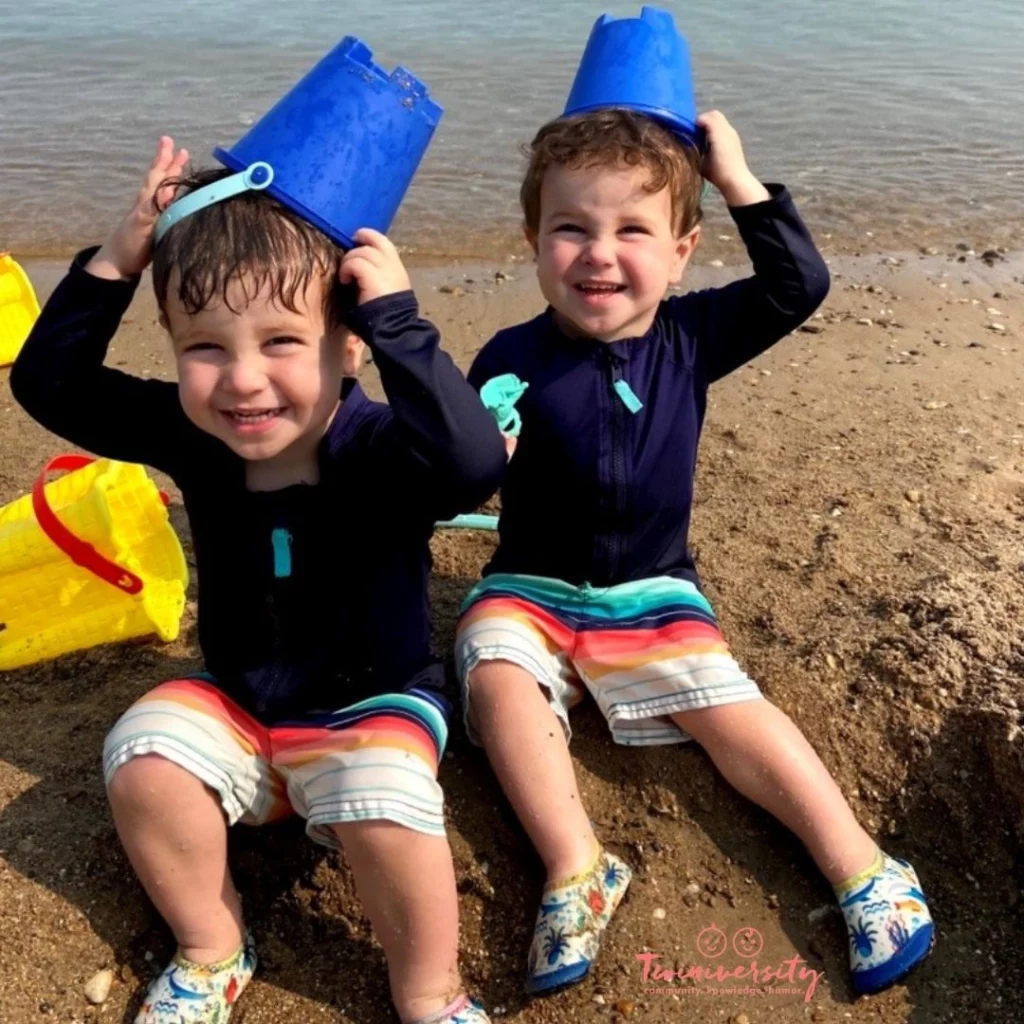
[
  {"x": 283, "y": 339},
  {"x": 201, "y": 346},
  {"x": 635, "y": 229},
  {"x": 567, "y": 226}
]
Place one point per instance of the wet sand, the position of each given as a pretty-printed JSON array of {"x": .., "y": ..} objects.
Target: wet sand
[{"x": 859, "y": 528}]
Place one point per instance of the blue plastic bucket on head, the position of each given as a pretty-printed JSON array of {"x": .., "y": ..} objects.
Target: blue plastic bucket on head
[
  {"x": 642, "y": 64},
  {"x": 344, "y": 143}
]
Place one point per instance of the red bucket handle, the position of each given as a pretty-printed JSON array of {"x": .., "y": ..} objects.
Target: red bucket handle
[{"x": 81, "y": 552}]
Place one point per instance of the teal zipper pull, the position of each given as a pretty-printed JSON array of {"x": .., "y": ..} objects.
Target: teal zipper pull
[
  {"x": 282, "y": 541},
  {"x": 628, "y": 396}
]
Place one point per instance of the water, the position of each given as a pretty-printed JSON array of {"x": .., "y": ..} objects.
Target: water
[{"x": 890, "y": 116}]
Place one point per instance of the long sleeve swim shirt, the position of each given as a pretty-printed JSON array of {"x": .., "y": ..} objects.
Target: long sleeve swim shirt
[
  {"x": 314, "y": 596},
  {"x": 601, "y": 484}
]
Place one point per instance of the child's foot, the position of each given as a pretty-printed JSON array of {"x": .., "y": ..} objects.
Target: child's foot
[
  {"x": 188, "y": 993},
  {"x": 572, "y": 918},
  {"x": 463, "y": 1011},
  {"x": 889, "y": 924}
]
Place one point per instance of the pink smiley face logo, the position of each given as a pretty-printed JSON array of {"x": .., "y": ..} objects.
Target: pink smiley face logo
[
  {"x": 712, "y": 942},
  {"x": 747, "y": 942}
]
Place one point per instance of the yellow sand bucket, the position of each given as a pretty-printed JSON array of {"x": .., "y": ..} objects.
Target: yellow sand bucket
[
  {"x": 18, "y": 308},
  {"x": 110, "y": 568}
]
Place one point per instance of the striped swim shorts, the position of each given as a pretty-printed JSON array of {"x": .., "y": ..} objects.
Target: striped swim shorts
[
  {"x": 645, "y": 650},
  {"x": 375, "y": 760}
]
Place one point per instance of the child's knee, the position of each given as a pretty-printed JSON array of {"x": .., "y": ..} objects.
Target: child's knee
[
  {"x": 382, "y": 839},
  {"x": 147, "y": 780},
  {"x": 491, "y": 682}
]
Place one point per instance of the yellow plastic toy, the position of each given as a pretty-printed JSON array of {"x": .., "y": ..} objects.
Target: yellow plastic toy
[
  {"x": 110, "y": 568},
  {"x": 18, "y": 308}
]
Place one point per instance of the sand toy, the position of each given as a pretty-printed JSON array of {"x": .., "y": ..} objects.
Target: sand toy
[
  {"x": 90, "y": 558},
  {"x": 18, "y": 308},
  {"x": 642, "y": 64},
  {"x": 340, "y": 148}
]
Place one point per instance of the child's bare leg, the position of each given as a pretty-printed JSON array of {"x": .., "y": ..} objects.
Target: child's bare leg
[
  {"x": 525, "y": 744},
  {"x": 406, "y": 882},
  {"x": 765, "y": 756},
  {"x": 174, "y": 832}
]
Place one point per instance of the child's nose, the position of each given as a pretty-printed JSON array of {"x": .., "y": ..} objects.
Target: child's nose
[
  {"x": 600, "y": 252},
  {"x": 244, "y": 377}
]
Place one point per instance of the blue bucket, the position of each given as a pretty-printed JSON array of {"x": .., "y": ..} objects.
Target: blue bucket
[
  {"x": 642, "y": 64},
  {"x": 344, "y": 143}
]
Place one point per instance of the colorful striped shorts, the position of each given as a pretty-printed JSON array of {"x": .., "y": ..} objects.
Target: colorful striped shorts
[
  {"x": 644, "y": 650},
  {"x": 375, "y": 760}
]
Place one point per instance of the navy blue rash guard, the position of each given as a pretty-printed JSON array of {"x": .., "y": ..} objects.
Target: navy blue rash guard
[
  {"x": 310, "y": 597},
  {"x": 596, "y": 493}
]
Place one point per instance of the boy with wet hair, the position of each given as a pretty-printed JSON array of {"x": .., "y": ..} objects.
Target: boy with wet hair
[
  {"x": 311, "y": 508},
  {"x": 601, "y": 595}
]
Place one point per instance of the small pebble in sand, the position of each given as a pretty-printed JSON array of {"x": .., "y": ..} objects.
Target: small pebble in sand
[
  {"x": 936, "y": 405},
  {"x": 742, "y": 1018},
  {"x": 452, "y": 289},
  {"x": 599, "y": 999},
  {"x": 914, "y": 497},
  {"x": 998, "y": 328},
  {"x": 660, "y": 914},
  {"x": 820, "y": 913},
  {"x": 716, "y": 263},
  {"x": 97, "y": 988},
  {"x": 865, "y": 321},
  {"x": 693, "y": 889},
  {"x": 624, "y": 1006}
]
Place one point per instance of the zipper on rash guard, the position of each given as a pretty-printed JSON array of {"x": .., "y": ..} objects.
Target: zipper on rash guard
[
  {"x": 613, "y": 544},
  {"x": 281, "y": 547}
]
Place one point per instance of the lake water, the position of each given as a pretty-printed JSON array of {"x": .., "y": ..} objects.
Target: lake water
[{"x": 898, "y": 117}]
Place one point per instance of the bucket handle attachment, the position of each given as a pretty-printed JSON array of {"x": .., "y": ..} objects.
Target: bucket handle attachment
[{"x": 81, "y": 552}]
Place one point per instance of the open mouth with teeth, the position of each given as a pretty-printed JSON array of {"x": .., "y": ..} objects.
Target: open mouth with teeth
[
  {"x": 252, "y": 419},
  {"x": 598, "y": 289}
]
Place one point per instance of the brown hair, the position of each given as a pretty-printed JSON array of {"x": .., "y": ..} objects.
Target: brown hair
[
  {"x": 616, "y": 138},
  {"x": 250, "y": 239}
]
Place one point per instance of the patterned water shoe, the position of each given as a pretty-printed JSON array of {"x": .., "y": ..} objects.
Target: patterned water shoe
[
  {"x": 463, "y": 1011},
  {"x": 188, "y": 993},
  {"x": 572, "y": 918},
  {"x": 889, "y": 924}
]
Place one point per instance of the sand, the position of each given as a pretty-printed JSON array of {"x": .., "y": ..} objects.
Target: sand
[{"x": 860, "y": 530}]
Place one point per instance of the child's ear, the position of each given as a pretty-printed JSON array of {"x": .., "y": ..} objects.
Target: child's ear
[
  {"x": 684, "y": 250},
  {"x": 530, "y": 235},
  {"x": 353, "y": 349}
]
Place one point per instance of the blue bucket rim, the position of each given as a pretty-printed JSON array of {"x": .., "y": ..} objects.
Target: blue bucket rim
[
  {"x": 334, "y": 233},
  {"x": 680, "y": 125}
]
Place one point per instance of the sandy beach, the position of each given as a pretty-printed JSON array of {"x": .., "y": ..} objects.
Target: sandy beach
[{"x": 859, "y": 528}]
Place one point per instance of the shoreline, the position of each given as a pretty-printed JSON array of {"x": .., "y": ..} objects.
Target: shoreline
[{"x": 918, "y": 231}]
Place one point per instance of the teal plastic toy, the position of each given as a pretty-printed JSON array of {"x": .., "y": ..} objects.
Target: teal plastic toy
[{"x": 499, "y": 396}]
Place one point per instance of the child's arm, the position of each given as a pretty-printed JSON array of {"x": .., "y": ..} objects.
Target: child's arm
[
  {"x": 59, "y": 376},
  {"x": 790, "y": 278},
  {"x": 439, "y": 421}
]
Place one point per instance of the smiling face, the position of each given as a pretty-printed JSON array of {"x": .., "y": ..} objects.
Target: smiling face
[
  {"x": 606, "y": 249},
  {"x": 262, "y": 378}
]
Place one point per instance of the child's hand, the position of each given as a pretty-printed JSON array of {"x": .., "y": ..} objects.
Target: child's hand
[
  {"x": 375, "y": 266},
  {"x": 129, "y": 249},
  {"x": 510, "y": 445},
  {"x": 725, "y": 166}
]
